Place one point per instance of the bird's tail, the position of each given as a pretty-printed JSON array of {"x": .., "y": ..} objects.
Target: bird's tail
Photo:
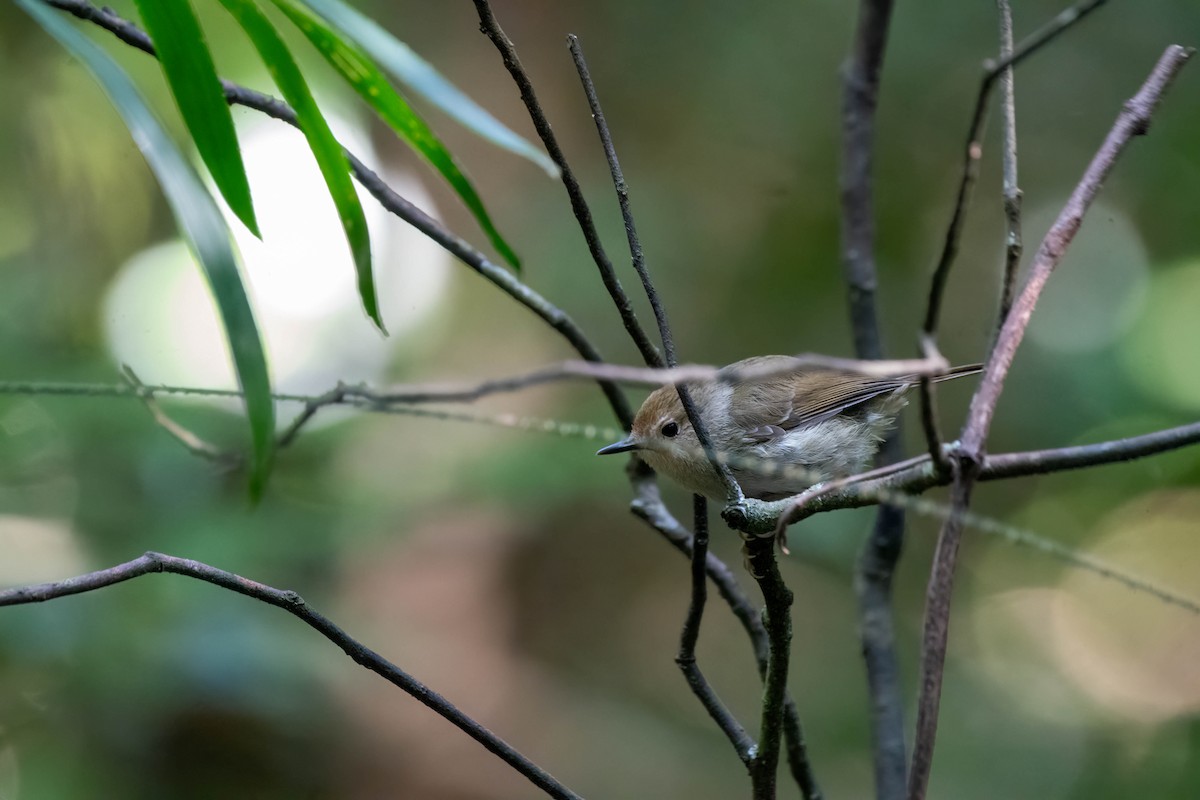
[{"x": 959, "y": 372}]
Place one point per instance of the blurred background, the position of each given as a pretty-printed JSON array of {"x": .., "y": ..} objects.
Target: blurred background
[{"x": 502, "y": 566}]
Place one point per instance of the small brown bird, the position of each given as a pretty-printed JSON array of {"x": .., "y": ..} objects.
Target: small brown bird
[{"x": 779, "y": 434}]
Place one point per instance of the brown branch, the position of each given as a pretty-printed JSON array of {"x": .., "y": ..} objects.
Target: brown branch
[
  {"x": 293, "y": 604},
  {"x": 194, "y": 444},
  {"x": 610, "y": 374},
  {"x": 1133, "y": 120},
  {"x": 583, "y": 215},
  {"x": 974, "y": 147}
]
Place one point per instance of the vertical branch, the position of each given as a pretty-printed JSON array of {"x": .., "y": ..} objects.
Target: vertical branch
[
  {"x": 860, "y": 92},
  {"x": 777, "y": 599},
  {"x": 686, "y": 659},
  {"x": 1013, "y": 244},
  {"x": 491, "y": 28},
  {"x": 973, "y": 151},
  {"x": 877, "y": 562},
  {"x": 1133, "y": 120}
]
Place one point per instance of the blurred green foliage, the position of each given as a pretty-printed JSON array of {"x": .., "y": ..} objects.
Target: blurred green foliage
[{"x": 502, "y": 566}]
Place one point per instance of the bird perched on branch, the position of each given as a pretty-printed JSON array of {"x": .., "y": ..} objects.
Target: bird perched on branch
[{"x": 778, "y": 434}]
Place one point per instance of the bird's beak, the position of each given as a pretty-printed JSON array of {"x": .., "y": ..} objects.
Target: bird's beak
[{"x": 623, "y": 446}]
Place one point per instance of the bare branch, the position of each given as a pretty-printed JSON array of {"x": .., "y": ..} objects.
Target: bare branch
[
  {"x": 733, "y": 491},
  {"x": 686, "y": 659},
  {"x": 648, "y": 506},
  {"x": 622, "y": 188},
  {"x": 860, "y": 92},
  {"x": 974, "y": 147},
  {"x": 293, "y": 604},
  {"x": 583, "y": 215},
  {"x": 194, "y": 444},
  {"x": 1134, "y": 120},
  {"x": 778, "y": 601},
  {"x": 929, "y": 410},
  {"x": 1013, "y": 243}
]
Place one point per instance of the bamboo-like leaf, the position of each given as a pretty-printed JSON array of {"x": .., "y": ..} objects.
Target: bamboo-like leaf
[
  {"x": 325, "y": 148},
  {"x": 202, "y": 226},
  {"x": 419, "y": 75},
  {"x": 362, "y": 74},
  {"x": 192, "y": 77}
]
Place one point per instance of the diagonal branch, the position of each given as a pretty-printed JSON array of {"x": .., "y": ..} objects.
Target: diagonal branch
[
  {"x": 974, "y": 147},
  {"x": 1133, "y": 120},
  {"x": 583, "y": 215},
  {"x": 293, "y": 604},
  {"x": 733, "y": 491}
]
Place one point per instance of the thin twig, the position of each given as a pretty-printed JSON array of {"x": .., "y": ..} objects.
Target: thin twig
[
  {"x": 732, "y": 490},
  {"x": 622, "y": 188},
  {"x": 293, "y": 604},
  {"x": 915, "y": 478},
  {"x": 1133, "y": 120},
  {"x": 918, "y": 475},
  {"x": 503, "y": 279},
  {"x": 1013, "y": 243},
  {"x": 934, "y": 444},
  {"x": 194, "y": 444},
  {"x": 583, "y": 215},
  {"x": 974, "y": 147},
  {"x": 648, "y": 506},
  {"x": 686, "y": 658},
  {"x": 800, "y": 502},
  {"x": 860, "y": 97}
]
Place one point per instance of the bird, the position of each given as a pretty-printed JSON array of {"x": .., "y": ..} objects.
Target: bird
[{"x": 779, "y": 434}]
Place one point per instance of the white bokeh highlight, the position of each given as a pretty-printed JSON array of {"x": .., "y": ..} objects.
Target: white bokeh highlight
[{"x": 160, "y": 319}]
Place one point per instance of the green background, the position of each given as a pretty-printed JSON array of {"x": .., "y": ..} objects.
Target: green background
[{"x": 502, "y": 567}]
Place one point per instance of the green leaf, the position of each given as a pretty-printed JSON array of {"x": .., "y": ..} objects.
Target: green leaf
[
  {"x": 419, "y": 75},
  {"x": 325, "y": 148},
  {"x": 202, "y": 226},
  {"x": 362, "y": 74},
  {"x": 192, "y": 77}
]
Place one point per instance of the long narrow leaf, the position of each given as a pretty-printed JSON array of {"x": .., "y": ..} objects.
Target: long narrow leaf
[
  {"x": 419, "y": 75},
  {"x": 201, "y": 223},
  {"x": 362, "y": 74},
  {"x": 192, "y": 77},
  {"x": 325, "y": 148}
]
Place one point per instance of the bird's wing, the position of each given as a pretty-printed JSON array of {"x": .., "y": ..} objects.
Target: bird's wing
[{"x": 769, "y": 408}]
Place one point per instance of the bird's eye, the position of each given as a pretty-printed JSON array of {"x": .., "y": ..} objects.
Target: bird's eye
[{"x": 670, "y": 430}]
